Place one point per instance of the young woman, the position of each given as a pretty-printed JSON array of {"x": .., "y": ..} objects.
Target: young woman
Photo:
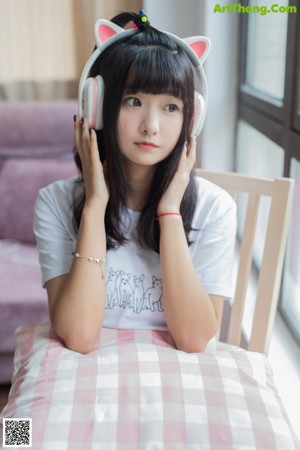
[{"x": 137, "y": 241}]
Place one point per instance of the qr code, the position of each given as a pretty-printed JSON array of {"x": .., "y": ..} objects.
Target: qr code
[{"x": 17, "y": 432}]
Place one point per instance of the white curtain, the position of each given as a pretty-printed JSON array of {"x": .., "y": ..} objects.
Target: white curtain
[{"x": 44, "y": 44}]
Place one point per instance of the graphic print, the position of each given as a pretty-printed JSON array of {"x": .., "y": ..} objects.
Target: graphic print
[{"x": 126, "y": 291}]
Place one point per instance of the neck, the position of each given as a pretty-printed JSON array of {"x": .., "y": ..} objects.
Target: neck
[{"x": 139, "y": 179}]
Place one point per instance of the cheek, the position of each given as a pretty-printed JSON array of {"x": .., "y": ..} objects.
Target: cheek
[
  {"x": 124, "y": 132},
  {"x": 124, "y": 128},
  {"x": 175, "y": 129}
]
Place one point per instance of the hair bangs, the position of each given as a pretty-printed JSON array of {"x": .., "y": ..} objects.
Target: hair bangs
[{"x": 156, "y": 70}]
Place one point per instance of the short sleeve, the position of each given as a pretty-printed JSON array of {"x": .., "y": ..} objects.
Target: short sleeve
[
  {"x": 53, "y": 229},
  {"x": 215, "y": 235}
]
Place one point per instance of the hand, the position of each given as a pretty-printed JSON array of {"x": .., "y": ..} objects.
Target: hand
[
  {"x": 172, "y": 197},
  {"x": 92, "y": 169}
]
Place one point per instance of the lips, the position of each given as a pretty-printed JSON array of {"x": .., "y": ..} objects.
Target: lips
[{"x": 146, "y": 145}]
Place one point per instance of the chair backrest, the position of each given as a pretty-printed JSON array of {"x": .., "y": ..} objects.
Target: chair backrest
[{"x": 280, "y": 192}]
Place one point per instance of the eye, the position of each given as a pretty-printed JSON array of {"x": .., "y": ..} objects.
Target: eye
[
  {"x": 171, "y": 108},
  {"x": 132, "y": 101}
]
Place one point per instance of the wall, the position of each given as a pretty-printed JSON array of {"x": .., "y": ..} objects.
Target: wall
[{"x": 192, "y": 17}]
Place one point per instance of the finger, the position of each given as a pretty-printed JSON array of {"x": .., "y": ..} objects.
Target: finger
[
  {"x": 192, "y": 146},
  {"x": 191, "y": 152},
  {"x": 85, "y": 135},
  {"x": 182, "y": 161},
  {"x": 94, "y": 147},
  {"x": 77, "y": 134}
]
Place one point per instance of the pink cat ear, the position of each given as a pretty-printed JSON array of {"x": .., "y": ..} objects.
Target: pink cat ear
[
  {"x": 105, "y": 30},
  {"x": 200, "y": 45}
]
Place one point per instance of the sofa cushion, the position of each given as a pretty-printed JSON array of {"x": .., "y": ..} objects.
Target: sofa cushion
[
  {"x": 23, "y": 299},
  {"x": 41, "y": 129},
  {"x": 20, "y": 181}
]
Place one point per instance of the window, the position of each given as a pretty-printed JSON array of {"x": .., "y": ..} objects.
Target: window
[
  {"x": 266, "y": 52},
  {"x": 268, "y": 130}
]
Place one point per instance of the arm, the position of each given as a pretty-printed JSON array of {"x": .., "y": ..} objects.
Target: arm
[
  {"x": 192, "y": 316},
  {"x": 77, "y": 300}
]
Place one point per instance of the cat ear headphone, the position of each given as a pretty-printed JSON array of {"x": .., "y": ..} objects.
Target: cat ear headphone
[{"x": 91, "y": 89}]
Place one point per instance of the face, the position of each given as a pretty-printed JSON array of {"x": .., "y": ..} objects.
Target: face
[{"x": 149, "y": 127}]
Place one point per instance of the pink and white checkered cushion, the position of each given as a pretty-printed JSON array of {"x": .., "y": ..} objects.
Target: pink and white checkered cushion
[{"x": 136, "y": 391}]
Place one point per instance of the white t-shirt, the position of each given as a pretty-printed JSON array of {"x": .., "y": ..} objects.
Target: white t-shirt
[{"x": 134, "y": 290}]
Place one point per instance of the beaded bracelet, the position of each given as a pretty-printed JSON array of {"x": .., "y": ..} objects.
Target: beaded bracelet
[
  {"x": 167, "y": 214},
  {"x": 91, "y": 259}
]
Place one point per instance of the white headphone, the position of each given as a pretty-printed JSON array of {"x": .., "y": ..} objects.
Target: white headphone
[{"x": 91, "y": 89}]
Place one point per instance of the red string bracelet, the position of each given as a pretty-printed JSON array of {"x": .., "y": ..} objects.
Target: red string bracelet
[{"x": 167, "y": 214}]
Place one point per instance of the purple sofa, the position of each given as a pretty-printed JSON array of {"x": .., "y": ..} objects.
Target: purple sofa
[{"x": 36, "y": 148}]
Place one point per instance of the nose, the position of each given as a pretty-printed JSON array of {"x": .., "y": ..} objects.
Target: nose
[{"x": 149, "y": 124}]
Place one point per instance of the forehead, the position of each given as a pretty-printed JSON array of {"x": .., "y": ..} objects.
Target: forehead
[{"x": 158, "y": 71}]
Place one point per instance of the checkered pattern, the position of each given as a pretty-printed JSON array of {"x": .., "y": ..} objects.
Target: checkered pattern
[{"x": 136, "y": 391}]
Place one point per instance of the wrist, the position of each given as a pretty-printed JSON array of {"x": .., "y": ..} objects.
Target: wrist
[
  {"x": 94, "y": 208},
  {"x": 163, "y": 209},
  {"x": 168, "y": 214}
]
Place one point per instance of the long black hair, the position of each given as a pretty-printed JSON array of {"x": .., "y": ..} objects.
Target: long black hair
[{"x": 148, "y": 61}]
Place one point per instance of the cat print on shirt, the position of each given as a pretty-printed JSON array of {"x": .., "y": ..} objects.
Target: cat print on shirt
[
  {"x": 126, "y": 291},
  {"x": 154, "y": 295},
  {"x": 111, "y": 289},
  {"x": 138, "y": 294}
]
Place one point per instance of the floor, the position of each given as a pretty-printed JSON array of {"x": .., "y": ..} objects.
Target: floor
[{"x": 284, "y": 357}]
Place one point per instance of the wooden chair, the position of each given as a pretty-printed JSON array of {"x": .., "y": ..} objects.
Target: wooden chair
[{"x": 280, "y": 191}]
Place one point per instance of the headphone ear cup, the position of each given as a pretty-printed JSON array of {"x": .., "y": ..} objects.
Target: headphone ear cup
[
  {"x": 93, "y": 94},
  {"x": 198, "y": 113}
]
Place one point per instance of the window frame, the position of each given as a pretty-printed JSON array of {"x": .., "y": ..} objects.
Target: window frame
[{"x": 279, "y": 120}]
